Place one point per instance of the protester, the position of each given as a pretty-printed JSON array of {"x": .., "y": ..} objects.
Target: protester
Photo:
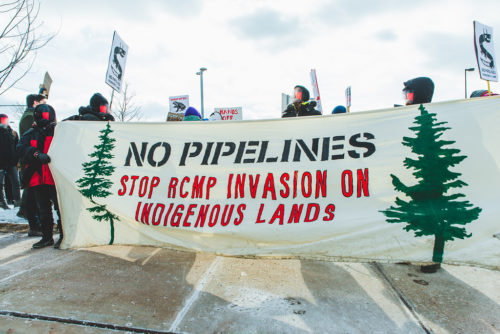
[
  {"x": 418, "y": 90},
  {"x": 301, "y": 106},
  {"x": 97, "y": 110},
  {"x": 192, "y": 114},
  {"x": 339, "y": 110},
  {"x": 32, "y": 150},
  {"x": 481, "y": 93},
  {"x": 28, "y": 207},
  {"x": 26, "y": 121},
  {"x": 8, "y": 162}
]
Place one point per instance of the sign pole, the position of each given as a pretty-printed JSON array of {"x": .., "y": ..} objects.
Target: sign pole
[
  {"x": 489, "y": 90},
  {"x": 111, "y": 101}
]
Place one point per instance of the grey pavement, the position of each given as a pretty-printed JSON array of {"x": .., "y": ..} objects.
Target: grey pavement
[{"x": 129, "y": 289}]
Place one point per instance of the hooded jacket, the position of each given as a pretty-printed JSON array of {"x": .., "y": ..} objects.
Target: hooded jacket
[
  {"x": 34, "y": 141},
  {"x": 8, "y": 143},
  {"x": 93, "y": 111}
]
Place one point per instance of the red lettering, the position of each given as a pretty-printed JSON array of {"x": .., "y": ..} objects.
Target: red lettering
[
  {"x": 279, "y": 213},
  {"x": 211, "y": 183},
  {"x": 295, "y": 175},
  {"x": 253, "y": 185},
  {"x": 165, "y": 222},
  {"x": 137, "y": 211},
  {"x": 183, "y": 195},
  {"x": 143, "y": 186},
  {"x": 240, "y": 210},
  {"x": 330, "y": 209},
  {"x": 306, "y": 183},
  {"x": 363, "y": 182},
  {"x": 146, "y": 209},
  {"x": 296, "y": 213},
  {"x": 347, "y": 188},
  {"x": 171, "y": 187},
  {"x": 226, "y": 217},
  {"x": 258, "y": 221},
  {"x": 155, "y": 181},
  {"x": 320, "y": 183},
  {"x": 269, "y": 186},
  {"x": 198, "y": 187},
  {"x": 133, "y": 178},
  {"x": 156, "y": 222},
  {"x": 202, "y": 216},
  {"x": 212, "y": 221},
  {"x": 239, "y": 186},
  {"x": 284, "y": 179},
  {"x": 310, "y": 206},
  {"x": 189, "y": 212},
  {"x": 175, "y": 222},
  {"x": 122, "y": 191},
  {"x": 229, "y": 185}
]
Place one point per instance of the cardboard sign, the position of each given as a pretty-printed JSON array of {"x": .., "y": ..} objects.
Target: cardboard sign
[
  {"x": 314, "y": 82},
  {"x": 178, "y": 106}
]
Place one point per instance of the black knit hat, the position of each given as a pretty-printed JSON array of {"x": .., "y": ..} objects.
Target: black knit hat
[
  {"x": 44, "y": 114},
  {"x": 96, "y": 101},
  {"x": 422, "y": 88}
]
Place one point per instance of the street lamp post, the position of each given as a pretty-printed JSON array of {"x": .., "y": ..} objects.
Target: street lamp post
[
  {"x": 465, "y": 74},
  {"x": 200, "y": 73}
]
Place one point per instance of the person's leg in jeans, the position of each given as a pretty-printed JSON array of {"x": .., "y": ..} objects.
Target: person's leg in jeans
[
  {"x": 43, "y": 196},
  {"x": 13, "y": 175}
]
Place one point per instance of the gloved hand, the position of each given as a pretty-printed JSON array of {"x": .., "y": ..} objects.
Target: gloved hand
[{"x": 42, "y": 157}]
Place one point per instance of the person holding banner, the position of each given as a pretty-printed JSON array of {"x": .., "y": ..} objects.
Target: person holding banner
[
  {"x": 32, "y": 150},
  {"x": 300, "y": 106},
  {"x": 418, "y": 90},
  {"x": 97, "y": 110},
  {"x": 192, "y": 114}
]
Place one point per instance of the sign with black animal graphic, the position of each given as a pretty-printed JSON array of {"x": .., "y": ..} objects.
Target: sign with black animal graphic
[
  {"x": 178, "y": 106},
  {"x": 485, "y": 52},
  {"x": 117, "y": 61}
]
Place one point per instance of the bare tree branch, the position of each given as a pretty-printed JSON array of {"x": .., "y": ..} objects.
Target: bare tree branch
[
  {"x": 19, "y": 40},
  {"x": 127, "y": 110}
]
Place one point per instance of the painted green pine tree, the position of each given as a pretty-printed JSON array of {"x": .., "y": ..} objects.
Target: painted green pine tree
[
  {"x": 430, "y": 209},
  {"x": 95, "y": 184}
]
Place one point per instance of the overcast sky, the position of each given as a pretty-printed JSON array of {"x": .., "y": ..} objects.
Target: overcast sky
[{"x": 256, "y": 50}]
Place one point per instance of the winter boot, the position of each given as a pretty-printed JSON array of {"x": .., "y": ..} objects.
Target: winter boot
[
  {"x": 43, "y": 243},
  {"x": 58, "y": 242}
]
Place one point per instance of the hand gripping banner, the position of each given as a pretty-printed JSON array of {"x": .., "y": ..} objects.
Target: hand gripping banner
[{"x": 417, "y": 183}]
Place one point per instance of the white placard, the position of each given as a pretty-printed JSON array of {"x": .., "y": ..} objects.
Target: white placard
[
  {"x": 116, "y": 64},
  {"x": 485, "y": 51},
  {"x": 230, "y": 114}
]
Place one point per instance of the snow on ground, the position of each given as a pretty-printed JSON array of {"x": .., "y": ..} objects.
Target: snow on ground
[{"x": 10, "y": 216}]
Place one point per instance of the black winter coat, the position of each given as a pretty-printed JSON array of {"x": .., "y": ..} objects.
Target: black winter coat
[
  {"x": 8, "y": 143},
  {"x": 305, "y": 109},
  {"x": 86, "y": 114}
]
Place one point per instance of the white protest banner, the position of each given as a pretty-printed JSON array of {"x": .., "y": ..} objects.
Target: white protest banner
[
  {"x": 230, "y": 114},
  {"x": 485, "y": 52},
  {"x": 116, "y": 64},
  {"x": 314, "y": 83},
  {"x": 178, "y": 106},
  {"x": 406, "y": 184}
]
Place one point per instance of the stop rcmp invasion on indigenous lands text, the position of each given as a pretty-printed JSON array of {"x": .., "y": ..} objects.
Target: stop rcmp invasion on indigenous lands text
[{"x": 241, "y": 186}]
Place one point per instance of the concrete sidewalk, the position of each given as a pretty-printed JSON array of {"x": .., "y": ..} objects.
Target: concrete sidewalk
[{"x": 153, "y": 290}]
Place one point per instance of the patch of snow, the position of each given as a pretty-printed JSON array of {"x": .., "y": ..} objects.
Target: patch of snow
[{"x": 10, "y": 216}]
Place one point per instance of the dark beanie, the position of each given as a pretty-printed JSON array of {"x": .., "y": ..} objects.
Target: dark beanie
[
  {"x": 44, "y": 114},
  {"x": 96, "y": 101},
  {"x": 422, "y": 88}
]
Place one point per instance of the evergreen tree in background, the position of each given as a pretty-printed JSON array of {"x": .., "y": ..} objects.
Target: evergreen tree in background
[
  {"x": 95, "y": 184},
  {"x": 430, "y": 210}
]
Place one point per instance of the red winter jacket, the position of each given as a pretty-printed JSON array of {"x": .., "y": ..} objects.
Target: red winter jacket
[{"x": 35, "y": 173}]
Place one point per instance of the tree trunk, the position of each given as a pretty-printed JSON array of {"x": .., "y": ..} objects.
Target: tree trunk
[
  {"x": 437, "y": 255},
  {"x": 112, "y": 231}
]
